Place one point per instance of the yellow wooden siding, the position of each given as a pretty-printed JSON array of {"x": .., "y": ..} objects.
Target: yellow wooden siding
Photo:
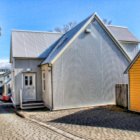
[{"x": 134, "y": 86}]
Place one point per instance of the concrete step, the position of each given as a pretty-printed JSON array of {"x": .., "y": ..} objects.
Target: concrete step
[{"x": 32, "y": 105}]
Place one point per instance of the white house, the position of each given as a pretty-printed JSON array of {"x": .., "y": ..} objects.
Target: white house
[{"x": 77, "y": 69}]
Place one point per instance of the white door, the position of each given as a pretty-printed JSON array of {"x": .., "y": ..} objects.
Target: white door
[{"x": 29, "y": 87}]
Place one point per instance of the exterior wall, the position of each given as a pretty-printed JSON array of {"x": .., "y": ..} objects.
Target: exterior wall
[
  {"x": 134, "y": 87},
  {"x": 20, "y": 66},
  {"x": 13, "y": 80},
  {"x": 47, "y": 94},
  {"x": 86, "y": 73},
  {"x": 131, "y": 49}
]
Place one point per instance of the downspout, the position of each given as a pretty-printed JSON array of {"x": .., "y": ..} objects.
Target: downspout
[{"x": 50, "y": 70}]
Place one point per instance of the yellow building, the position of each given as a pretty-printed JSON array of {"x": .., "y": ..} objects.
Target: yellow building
[{"x": 133, "y": 71}]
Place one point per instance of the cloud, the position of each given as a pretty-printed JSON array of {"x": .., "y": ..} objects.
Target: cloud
[{"x": 4, "y": 63}]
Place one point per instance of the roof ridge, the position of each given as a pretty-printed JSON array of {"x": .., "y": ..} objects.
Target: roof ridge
[
  {"x": 117, "y": 26},
  {"x": 31, "y": 31}
]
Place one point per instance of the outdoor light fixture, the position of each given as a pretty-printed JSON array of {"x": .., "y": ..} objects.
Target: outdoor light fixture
[
  {"x": 28, "y": 69},
  {"x": 88, "y": 30}
]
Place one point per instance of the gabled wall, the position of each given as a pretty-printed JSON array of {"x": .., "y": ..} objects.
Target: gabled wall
[
  {"x": 134, "y": 86},
  {"x": 86, "y": 73}
]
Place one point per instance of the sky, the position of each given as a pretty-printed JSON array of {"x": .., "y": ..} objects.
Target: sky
[{"x": 45, "y": 15}]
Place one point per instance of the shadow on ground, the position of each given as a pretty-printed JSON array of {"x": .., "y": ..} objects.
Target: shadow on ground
[
  {"x": 6, "y": 109},
  {"x": 113, "y": 117}
]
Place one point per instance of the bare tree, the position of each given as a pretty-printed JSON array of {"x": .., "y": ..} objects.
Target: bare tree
[
  {"x": 107, "y": 22},
  {"x": 65, "y": 27}
]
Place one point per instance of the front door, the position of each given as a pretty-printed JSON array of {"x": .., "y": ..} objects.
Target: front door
[{"x": 29, "y": 87}]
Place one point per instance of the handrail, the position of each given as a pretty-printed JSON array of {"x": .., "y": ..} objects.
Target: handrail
[
  {"x": 13, "y": 102},
  {"x": 21, "y": 98}
]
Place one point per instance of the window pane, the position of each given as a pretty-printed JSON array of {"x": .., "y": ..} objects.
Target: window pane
[
  {"x": 31, "y": 80},
  {"x": 26, "y": 80},
  {"x": 43, "y": 75},
  {"x": 44, "y": 85}
]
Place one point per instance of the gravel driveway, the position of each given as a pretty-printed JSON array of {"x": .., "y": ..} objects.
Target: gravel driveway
[
  {"x": 101, "y": 123},
  {"x": 13, "y": 127}
]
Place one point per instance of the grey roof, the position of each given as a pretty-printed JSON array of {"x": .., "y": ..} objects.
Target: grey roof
[
  {"x": 132, "y": 62},
  {"x": 31, "y": 44},
  {"x": 122, "y": 34},
  {"x": 61, "y": 42},
  {"x": 56, "y": 48}
]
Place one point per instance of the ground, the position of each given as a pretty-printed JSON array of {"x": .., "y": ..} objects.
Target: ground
[
  {"x": 12, "y": 127},
  {"x": 100, "y": 123}
]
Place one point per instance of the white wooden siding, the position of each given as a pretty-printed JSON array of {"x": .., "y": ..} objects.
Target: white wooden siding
[{"x": 86, "y": 73}]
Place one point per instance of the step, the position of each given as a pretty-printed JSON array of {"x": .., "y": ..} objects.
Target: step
[
  {"x": 27, "y": 102},
  {"x": 32, "y": 104},
  {"x": 32, "y": 107}
]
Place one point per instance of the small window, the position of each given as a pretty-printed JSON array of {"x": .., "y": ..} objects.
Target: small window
[
  {"x": 26, "y": 80},
  {"x": 43, "y": 81},
  {"x": 31, "y": 81},
  {"x": 44, "y": 75},
  {"x": 44, "y": 85}
]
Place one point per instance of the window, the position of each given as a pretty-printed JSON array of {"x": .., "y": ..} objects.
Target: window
[
  {"x": 43, "y": 81},
  {"x": 31, "y": 80},
  {"x": 26, "y": 80}
]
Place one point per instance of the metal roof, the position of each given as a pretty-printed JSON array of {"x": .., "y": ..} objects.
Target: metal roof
[
  {"x": 29, "y": 44},
  {"x": 61, "y": 44},
  {"x": 122, "y": 33}
]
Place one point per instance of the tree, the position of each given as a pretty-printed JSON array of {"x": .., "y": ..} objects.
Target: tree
[
  {"x": 65, "y": 27},
  {"x": 107, "y": 22}
]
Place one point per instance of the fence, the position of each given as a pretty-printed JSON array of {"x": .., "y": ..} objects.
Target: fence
[{"x": 122, "y": 95}]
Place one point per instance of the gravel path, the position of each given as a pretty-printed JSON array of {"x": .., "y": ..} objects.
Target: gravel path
[
  {"x": 101, "y": 123},
  {"x": 13, "y": 127}
]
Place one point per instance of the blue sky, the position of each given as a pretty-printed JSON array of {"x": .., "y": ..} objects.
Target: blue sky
[{"x": 45, "y": 15}]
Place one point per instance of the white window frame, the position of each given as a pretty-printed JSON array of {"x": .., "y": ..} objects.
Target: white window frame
[{"x": 29, "y": 80}]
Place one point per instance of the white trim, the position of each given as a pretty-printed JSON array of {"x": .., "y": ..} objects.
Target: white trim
[{"x": 129, "y": 42}]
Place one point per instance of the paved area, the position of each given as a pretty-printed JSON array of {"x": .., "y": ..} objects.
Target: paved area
[
  {"x": 100, "y": 123},
  {"x": 13, "y": 127}
]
